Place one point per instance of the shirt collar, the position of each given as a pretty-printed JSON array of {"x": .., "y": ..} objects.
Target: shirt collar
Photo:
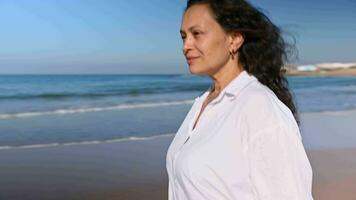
[{"x": 233, "y": 88}]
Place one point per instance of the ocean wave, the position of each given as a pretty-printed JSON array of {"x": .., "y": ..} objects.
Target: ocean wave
[
  {"x": 59, "y": 96},
  {"x": 93, "y": 109},
  {"x": 85, "y": 142},
  {"x": 107, "y": 92}
]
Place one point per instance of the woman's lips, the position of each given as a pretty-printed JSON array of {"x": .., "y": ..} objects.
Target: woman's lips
[{"x": 191, "y": 60}]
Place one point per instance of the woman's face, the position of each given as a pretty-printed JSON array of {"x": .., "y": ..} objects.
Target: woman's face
[{"x": 205, "y": 43}]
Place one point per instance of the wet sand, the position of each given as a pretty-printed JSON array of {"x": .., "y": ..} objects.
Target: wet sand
[
  {"x": 131, "y": 170},
  {"x": 334, "y": 174},
  {"x": 121, "y": 170}
]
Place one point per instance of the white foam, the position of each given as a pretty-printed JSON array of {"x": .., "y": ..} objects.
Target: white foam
[
  {"x": 84, "y": 142},
  {"x": 94, "y": 109}
]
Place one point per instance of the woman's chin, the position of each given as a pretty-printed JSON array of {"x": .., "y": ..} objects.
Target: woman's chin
[
  {"x": 198, "y": 71},
  {"x": 195, "y": 70}
]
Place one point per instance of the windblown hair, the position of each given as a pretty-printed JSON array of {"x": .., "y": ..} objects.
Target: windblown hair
[{"x": 264, "y": 51}]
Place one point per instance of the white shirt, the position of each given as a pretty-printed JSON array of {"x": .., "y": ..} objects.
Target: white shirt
[{"x": 245, "y": 146}]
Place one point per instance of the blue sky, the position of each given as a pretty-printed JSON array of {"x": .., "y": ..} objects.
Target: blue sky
[{"x": 136, "y": 36}]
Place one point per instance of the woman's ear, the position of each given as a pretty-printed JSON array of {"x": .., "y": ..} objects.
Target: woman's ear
[{"x": 237, "y": 40}]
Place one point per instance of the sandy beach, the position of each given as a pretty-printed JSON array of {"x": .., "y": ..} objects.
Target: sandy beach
[
  {"x": 122, "y": 170},
  {"x": 334, "y": 174},
  {"x": 135, "y": 169}
]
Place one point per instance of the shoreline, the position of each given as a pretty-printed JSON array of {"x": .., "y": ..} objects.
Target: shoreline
[{"x": 306, "y": 118}]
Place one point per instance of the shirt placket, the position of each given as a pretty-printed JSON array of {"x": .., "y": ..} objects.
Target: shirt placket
[{"x": 191, "y": 132}]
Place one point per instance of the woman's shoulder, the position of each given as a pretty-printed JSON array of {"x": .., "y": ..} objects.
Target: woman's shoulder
[
  {"x": 261, "y": 108},
  {"x": 257, "y": 96}
]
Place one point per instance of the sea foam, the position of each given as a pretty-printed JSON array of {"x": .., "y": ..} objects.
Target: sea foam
[
  {"x": 94, "y": 109},
  {"x": 85, "y": 142}
]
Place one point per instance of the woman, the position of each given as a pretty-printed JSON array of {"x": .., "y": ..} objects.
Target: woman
[{"x": 241, "y": 139}]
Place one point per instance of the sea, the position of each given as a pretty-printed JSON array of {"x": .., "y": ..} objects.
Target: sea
[{"x": 52, "y": 110}]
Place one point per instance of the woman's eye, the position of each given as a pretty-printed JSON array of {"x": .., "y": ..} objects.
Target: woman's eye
[{"x": 196, "y": 33}]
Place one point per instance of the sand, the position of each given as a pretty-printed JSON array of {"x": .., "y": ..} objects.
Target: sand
[
  {"x": 121, "y": 170},
  {"x": 334, "y": 174},
  {"x": 131, "y": 170}
]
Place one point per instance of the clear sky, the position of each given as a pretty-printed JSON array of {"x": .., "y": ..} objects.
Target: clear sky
[{"x": 142, "y": 36}]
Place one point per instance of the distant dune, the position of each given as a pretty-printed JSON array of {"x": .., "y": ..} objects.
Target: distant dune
[{"x": 323, "y": 69}]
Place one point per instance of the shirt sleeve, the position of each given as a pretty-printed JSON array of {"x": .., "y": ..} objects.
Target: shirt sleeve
[{"x": 279, "y": 166}]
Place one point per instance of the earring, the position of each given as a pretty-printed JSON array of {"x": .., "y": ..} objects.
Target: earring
[{"x": 232, "y": 54}]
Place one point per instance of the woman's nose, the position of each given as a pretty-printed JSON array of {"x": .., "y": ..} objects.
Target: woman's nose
[{"x": 187, "y": 45}]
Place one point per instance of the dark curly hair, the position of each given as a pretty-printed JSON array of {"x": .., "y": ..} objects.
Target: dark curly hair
[{"x": 264, "y": 51}]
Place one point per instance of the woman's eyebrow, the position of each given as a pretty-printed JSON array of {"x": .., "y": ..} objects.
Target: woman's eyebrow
[{"x": 190, "y": 28}]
